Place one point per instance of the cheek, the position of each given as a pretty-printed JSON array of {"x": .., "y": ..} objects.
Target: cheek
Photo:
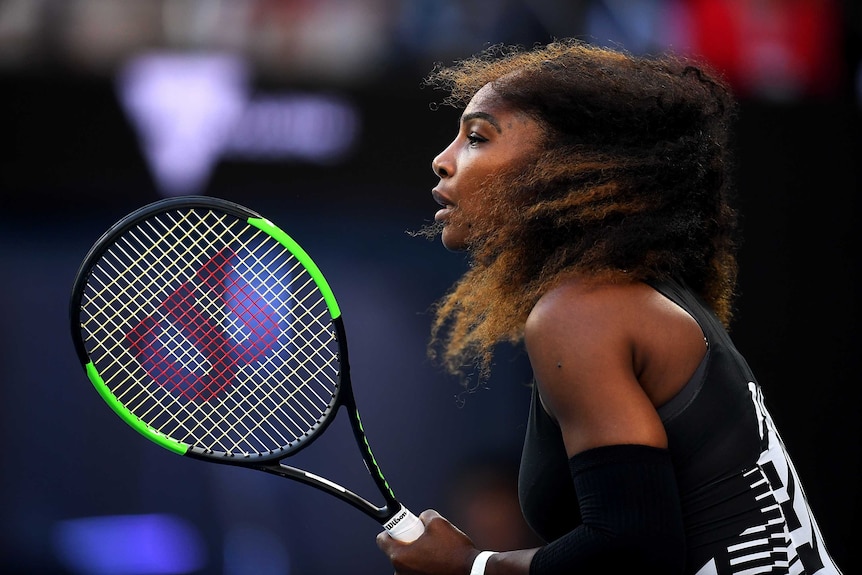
[{"x": 469, "y": 205}]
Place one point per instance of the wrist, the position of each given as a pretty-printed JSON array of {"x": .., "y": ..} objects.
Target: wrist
[{"x": 480, "y": 561}]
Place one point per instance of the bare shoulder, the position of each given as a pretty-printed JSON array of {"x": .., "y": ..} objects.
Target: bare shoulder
[
  {"x": 606, "y": 356},
  {"x": 581, "y": 307},
  {"x": 634, "y": 311}
]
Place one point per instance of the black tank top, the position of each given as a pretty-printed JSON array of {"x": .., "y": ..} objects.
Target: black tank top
[{"x": 740, "y": 495}]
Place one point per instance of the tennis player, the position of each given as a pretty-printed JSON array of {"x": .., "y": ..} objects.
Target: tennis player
[{"x": 592, "y": 190}]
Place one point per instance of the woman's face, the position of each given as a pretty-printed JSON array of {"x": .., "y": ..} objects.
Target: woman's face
[{"x": 491, "y": 137}]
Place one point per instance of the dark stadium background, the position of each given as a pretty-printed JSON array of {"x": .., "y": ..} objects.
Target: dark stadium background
[{"x": 76, "y": 484}]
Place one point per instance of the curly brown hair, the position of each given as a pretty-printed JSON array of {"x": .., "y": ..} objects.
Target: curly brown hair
[{"x": 632, "y": 184}]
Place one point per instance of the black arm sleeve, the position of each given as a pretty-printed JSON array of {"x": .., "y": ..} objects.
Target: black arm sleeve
[{"x": 632, "y": 518}]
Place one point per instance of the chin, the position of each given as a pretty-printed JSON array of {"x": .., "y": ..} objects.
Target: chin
[{"x": 453, "y": 242}]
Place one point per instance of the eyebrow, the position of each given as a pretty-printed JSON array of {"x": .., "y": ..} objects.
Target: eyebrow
[{"x": 482, "y": 116}]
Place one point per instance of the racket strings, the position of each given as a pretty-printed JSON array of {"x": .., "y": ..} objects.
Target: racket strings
[
  {"x": 212, "y": 333},
  {"x": 258, "y": 403},
  {"x": 145, "y": 267},
  {"x": 306, "y": 354},
  {"x": 232, "y": 427},
  {"x": 301, "y": 418}
]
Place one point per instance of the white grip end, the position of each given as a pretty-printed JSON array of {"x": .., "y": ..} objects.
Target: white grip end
[{"x": 404, "y": 526}]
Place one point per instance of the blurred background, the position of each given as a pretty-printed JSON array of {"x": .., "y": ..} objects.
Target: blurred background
[{"x": 313, "y": 113}]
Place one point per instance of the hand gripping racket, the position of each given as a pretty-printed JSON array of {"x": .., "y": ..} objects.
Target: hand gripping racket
[{"x": 212, "y": 333}]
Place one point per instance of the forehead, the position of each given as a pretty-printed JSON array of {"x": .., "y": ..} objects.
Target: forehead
[{"x": 485, "y": 99}]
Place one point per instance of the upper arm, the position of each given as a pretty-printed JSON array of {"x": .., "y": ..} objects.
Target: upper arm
[{"x": 581, "y": 348}]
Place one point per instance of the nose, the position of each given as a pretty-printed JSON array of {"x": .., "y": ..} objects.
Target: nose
[{"x": 442, "y": 164}]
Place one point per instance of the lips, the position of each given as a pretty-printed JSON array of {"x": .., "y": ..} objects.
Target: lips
[{"x": 447, "y": 204}]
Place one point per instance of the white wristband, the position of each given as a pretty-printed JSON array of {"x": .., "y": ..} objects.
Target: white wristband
[{"x": 479, "y": 564}]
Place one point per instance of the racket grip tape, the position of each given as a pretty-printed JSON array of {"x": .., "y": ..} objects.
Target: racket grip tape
[{"x": 404, "y": 526}]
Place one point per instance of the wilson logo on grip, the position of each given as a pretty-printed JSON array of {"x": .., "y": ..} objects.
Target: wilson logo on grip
[{"x": 199, "y": 338}]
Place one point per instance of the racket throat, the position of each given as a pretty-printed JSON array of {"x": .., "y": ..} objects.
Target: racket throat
[{"x": 380, "y": 514}]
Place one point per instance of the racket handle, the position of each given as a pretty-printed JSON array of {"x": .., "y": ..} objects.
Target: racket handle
[{"x": 404, "y": 526}]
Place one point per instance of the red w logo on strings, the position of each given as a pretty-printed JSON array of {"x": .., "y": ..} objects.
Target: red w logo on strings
[{"x": 165, "y": 356}]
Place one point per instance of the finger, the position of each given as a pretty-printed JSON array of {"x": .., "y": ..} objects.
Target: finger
[
  {"x": 428, "y": 515},
  {"x": 384, "y": 541}
]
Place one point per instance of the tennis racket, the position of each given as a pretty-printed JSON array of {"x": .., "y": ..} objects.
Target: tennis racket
[{"x": 211, "y": 332}]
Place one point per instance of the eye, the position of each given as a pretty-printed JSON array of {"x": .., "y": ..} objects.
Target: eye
[{"x": 475, "y": 139}]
